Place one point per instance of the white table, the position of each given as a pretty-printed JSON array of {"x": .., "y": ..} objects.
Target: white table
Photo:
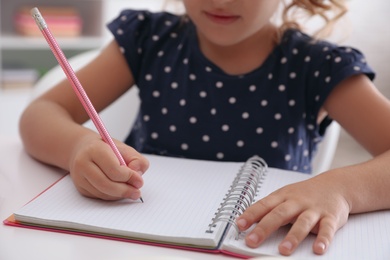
[{"x": 21, "y": 179}]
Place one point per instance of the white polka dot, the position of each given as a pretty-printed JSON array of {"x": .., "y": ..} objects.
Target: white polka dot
[
  {"x": 291, "y": 130},
  {"x": 240, "y": 143},
  {"x": 356, "y": 68},
  {"x": 245, "y": 115},
  {"x": 264, "y": 103},
  {"x": 317, "y": 98},
  {"x": 348, "y": 49},
  {"x": 185, "y": 61},
  {"x": 155, "y": 38},
  {"x": 156, "y": 93},
  {"x": 167, "y": 69},
  {"x": 232, "y": 100},
  {"x": 208, "y": 69},
  {"x": 192, "y": 77},
  {"x": 316, "y": 74},
  {"x": 122, "y": 50},
  {"x": 252, "y": 88},
  {"x": 337, "y": 59},
  {"x": 219, "y": 84},
  {"x": 295, "y": 51},
  {"x": 154, "y": 135},
  {"x": 172, "y": 128},
  {"x": 225, "y": 128},
  {"x": 295, "y": 168},
  {"x": 270, "y": 76},
  {"x": 287, "y": 157},
  {"x": 146, "y": 118},
  {"x": 278, "y": 116},
  {"x": 182, "y": 102},
  {"x": 164, "y": 110},
  {"x": 174, "y": 85},
  {"x": 283, "y": 60},
  {"x": 148, "y": 77},
  {"x": 291, "y": 102},
  {"x": 139, "y": 50},
  {"x": 213, "y": 111},
  {"x": 328, "y": 79},
  {"x": 274, "y": 144},
  {"x": 119, "y": 32},
  {"x": 141, "y": 17},
  {"x": 184, "y": 146},
  {"x": 259, "y": 130},
  {"x": 325, "y": 48},
  {"x": 282, "y": 88},
  {"x": 203, "y": 94},
  {"x": 160, "y": 53},
  {"x": 180, "y": 46},
  {"x": 300, "y": 142},
  {"x": 305, "y": 153},
  {"x": 206, "y": 138},
  {"x": 193, "y": 120},
  {"x": 123, "y": 17},
  {"x": 173, "y": 35},
  {"x": 307, "y": 59},
  {"x": 168, "y": 23},
  {"x": 220, "y": 155},
  {"x": 310, "y": 127},
  {"x": 293, "y": 75}
]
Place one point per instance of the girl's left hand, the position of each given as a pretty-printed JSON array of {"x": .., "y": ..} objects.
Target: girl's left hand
[{"x": 316, "y": 205}]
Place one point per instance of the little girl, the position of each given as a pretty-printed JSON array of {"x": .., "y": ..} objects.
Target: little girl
[{"x": 224, "y": 83}]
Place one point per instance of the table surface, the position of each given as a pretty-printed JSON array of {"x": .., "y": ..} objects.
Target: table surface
[{"x": 21, "y": 179}]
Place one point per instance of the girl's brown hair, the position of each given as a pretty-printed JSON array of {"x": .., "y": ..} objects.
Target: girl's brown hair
[{"x": 330, "y": 11}]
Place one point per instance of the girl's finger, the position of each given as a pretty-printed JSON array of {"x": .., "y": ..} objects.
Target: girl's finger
[
  {"x": 100, "y": 182},
  {"x": 276, "y": 218},
  {"x": 304, "y": 223}
]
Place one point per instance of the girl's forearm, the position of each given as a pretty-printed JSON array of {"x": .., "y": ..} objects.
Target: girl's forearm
[
  {"x": 50, "y": 134},
  {"x": 366, "y": 185}
]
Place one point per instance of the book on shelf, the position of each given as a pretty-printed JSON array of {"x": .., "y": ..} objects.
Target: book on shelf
[
  {"x": 62, "y": 21},
  {"x": 16, "y": 78},
  {"x": 193, "y": 204}
]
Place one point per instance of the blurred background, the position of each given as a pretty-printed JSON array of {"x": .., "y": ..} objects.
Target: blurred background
[{"x": 79, "y": 25}]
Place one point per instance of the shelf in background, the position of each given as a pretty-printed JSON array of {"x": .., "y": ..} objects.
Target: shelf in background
[{"x": 15, "y": 42}]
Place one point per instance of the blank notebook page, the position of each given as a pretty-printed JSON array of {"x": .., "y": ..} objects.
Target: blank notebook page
[{"x": 180, "y": 195}]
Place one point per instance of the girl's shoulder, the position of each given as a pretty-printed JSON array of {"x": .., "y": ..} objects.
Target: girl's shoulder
[
  {"x": 304, "y": 49},
  {"x": 145, "y": 22}
]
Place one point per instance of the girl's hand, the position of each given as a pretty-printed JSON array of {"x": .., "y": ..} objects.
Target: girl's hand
[
  {"x": 316, "y": 205},
  {"x": 96, "y": 171}
]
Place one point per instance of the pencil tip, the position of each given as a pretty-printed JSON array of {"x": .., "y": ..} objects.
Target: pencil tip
[{"x": 141, "y": 199}]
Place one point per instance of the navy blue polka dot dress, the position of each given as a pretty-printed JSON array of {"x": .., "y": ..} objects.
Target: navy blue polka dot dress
[{"x": 191, "y": 108}]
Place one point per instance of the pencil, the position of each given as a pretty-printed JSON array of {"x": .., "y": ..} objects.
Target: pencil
[{"x": 77, "y": 87}]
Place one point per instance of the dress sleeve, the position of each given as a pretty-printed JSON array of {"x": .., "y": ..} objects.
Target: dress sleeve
[
  {"x": 332, "y": 64},
  {"x": 131, "y": 29}
]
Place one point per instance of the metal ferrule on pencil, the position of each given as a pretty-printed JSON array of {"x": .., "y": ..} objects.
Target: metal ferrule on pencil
[{"x": 38, "y": 18}]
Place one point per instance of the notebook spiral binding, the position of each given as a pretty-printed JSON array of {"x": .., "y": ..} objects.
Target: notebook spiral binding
[{"x": 241, "y": 193}]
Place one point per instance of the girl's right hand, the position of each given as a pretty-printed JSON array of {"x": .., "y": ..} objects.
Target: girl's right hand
[{"x": 96, "y": 171}]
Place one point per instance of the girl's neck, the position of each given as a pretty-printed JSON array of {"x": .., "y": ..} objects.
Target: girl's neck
[{"x": 242, "y": 57}]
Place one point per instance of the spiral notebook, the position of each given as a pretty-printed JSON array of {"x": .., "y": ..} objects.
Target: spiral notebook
[{"x": 189, "y": 204}]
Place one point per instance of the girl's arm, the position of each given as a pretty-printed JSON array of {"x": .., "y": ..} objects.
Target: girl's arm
[
  {"x": 51, "y": 130},
  {"x": 322, "y": 204}
]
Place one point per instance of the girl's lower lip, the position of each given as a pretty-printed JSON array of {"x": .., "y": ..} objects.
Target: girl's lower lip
[{"x": 221, "y": 19}]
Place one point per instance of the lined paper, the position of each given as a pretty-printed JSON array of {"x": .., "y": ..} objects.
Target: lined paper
[{"x": 181, "y": 197}]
